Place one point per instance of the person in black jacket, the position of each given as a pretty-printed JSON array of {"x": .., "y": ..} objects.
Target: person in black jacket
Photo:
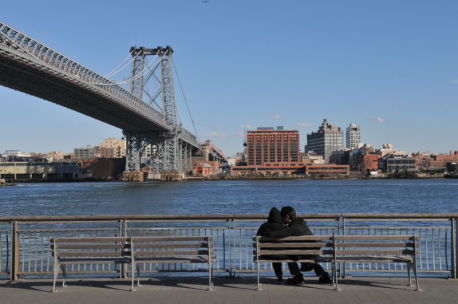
[
  {"x": 273, "y": 228},
  {"x": 295, "y": 226},
  {"x": 285, "y": 223}
]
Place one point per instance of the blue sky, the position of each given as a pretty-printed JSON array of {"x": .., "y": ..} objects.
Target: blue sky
[{"x": 390, "y": 66}]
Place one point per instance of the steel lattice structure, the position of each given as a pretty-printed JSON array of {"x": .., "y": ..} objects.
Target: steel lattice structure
[{"x": 29, "y": 66}]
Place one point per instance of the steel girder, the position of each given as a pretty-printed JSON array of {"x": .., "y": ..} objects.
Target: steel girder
[{"x": 168, "y": 154}]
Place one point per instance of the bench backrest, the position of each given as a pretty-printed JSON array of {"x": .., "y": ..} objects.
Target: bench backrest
[
  {"x": 172, "y": 246},
  {"x": 91, "y": 247},
  {"x": 307, "y": 245},
  {"x": 375, "y": 245}
]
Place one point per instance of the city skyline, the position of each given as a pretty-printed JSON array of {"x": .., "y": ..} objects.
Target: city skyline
[{"x": 247, "y": 65}]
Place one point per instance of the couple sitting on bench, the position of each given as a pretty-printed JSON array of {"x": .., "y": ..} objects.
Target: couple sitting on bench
[{"x": 284, "y": 223}]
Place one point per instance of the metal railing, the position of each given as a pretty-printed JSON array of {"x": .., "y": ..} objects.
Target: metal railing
[{"x": 25, "y": 241}]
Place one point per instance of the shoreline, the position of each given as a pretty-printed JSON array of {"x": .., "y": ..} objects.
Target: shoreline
[{"x": 221, "y": 178}]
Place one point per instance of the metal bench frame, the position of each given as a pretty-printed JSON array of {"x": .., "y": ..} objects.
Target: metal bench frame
[
  {"x": 280, "y": 250},
  {"x": 377, "y": 248},
  {"x": 130, "y": 250},
  {"x": 89, "y": 250},
  {"x": 179, "y": 250},
  {"x": 339, "y": 249}
]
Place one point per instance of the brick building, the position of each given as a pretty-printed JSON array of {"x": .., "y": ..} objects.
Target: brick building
[
  {"x": 369, "y": 162},
  {"x": 269, "y": 145}
]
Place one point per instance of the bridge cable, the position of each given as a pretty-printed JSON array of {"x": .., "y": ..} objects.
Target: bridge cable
[
  {"x": 120, "y": 66},
  {"x": 185, "y": 99},
  {"x": 141, "y": 74}
]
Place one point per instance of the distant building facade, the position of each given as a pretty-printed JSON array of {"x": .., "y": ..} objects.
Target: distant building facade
[
  {"x": 397, "y": 164},
  {"x": 327, "y": 139},
  {"x": 24, "y": 171},
  {"x": 295, "y": 168},
  {"x": 111, "y": 148},
  {"x": 84, "y": 153},
  {"x": 353, "y": 136},
  {"x": 272, "y": 145},
  {"x": 55, "y": 155}
]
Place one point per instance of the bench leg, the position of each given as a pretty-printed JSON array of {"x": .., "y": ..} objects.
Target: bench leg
[
  {"x": 64, "y": 275},
  {"x": 409, "y": 267},
  {"x": 210, "y": 274},
  {"x": 56, "y": 274},
  {"x": 133, "y": 277},
  {"x": 335, "y": 279},
  {"x": 259, "y": 284},
  {"x": 416, "y": 277},
  {"x": 138, "y": 275}
]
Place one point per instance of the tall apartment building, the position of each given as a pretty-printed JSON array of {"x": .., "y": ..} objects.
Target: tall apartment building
[
  {"x": 269, "y": 145},
  {"x": 327, "y": 139},
  {"x": 353, "y": 136}
]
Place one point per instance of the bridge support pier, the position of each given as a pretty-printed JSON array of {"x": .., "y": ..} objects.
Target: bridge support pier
[{"x": 170, "y": 156}]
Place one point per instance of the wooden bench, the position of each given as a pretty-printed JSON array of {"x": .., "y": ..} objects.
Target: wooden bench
[
  {"x": 173, "y": 250},
  {"x": 131, "y": 250},
  {"x": 377, "y": 248},
  {"x": 304, "y": 249},
  {"x": 338, "y": 249},
  {"x": 89, "y": 250}
]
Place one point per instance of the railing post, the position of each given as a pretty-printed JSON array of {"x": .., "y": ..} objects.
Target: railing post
[
  {"x": 123, "y": 232},
  {"x": 231, "y": 226},
  {"x": 14, "y": 252},
  {"x": 343, "y": 265},
  {"x": 453, "y": 247}
]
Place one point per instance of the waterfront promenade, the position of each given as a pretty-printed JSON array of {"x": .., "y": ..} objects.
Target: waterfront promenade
[{"x": 242, "y": 290}]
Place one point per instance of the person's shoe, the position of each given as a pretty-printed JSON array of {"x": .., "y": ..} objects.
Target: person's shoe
[
  {"x": 279, "y": 279},
  {"x": 296, "y": 280},
  {"x": 325, "y": 279}
]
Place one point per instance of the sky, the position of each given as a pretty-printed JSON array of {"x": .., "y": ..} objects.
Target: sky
[{"x": 389, "y": 66}]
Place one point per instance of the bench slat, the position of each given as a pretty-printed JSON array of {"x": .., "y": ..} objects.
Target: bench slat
[
  {"x": 90, "y": 246},
  {"x": 98, "y": 260},
  {"x": 293, "y": 252},
  {"x": 170, "y": 253},
  {"x": 328, "y": 259},
  {"x": 171, "y": 260},
  {"x": 93, "y": 254},
  {"x": 373, "y": 237},
  {"x": 170, "y": 238},
  {"x": 297, "y": 238},
  {"x": 379, "y": 252},
  {"x": 90, "y": 239},
  {"x": 372, "y": 244},
  {"x": 178, "y": 245},
  {"x": 374, "y": 259},
  {"x": 294, "y": 245}
]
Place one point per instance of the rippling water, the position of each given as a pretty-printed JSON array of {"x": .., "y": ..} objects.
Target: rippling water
[{"x": 213, "y": 197}]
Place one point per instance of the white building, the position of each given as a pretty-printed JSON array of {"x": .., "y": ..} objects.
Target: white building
[{"x": 353, "y": 136}]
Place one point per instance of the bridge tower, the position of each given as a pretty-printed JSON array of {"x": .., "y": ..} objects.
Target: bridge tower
[{"x": 168, "y": 152}]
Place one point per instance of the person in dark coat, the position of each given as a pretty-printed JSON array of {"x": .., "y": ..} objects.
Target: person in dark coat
[
  {"x": 294, "y": 226},
  {"x": 274, "y": 228}
]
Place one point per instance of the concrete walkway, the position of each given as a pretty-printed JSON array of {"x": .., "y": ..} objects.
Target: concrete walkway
[{"x": 242, "y": 290}]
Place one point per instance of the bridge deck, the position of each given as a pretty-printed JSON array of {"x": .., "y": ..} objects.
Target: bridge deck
[{"x": 239, "y": 290}]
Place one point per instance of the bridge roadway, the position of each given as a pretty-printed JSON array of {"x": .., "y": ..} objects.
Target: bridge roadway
[
  {"x": 242, "y": 290},
  {"x": 28, "y": 66}
]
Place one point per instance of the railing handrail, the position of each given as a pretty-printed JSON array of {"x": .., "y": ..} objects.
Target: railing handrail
[{"x": 228, "y": 217}]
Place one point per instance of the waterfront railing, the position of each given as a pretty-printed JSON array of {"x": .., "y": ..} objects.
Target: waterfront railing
[{"x": 25, "y": 241}]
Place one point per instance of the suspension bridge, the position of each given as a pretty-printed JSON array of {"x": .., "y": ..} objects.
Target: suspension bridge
[{"x": 146, "y": 117}]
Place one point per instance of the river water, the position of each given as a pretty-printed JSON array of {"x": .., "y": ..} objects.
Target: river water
[{"x": 220, "y": 197}]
